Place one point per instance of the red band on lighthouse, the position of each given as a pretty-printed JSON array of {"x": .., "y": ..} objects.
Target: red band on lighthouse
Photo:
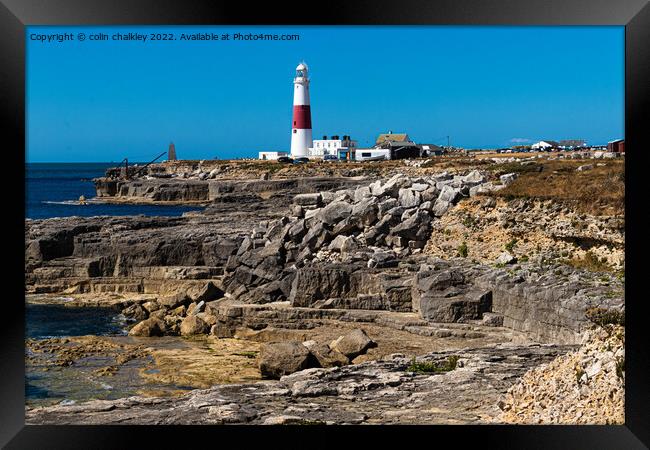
[{"x": 301, "y": 117}]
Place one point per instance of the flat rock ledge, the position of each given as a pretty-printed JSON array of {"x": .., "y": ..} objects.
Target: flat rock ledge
[{"x": 374, "y": 392}]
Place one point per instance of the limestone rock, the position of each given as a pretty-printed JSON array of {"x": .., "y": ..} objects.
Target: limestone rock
[
  {"x": 505, "y": 258},
  {"x": 283, "y": 358},
  {"x": 148, "y": 327},
  {"x": 508, "y": 178},
  {"x": 192, "y": 325},
  {"x": 353, "y": 344}
]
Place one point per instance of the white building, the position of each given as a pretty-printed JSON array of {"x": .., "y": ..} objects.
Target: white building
[
  {"x": 372, "y": 154},
  {"x": 543, "y": 145},
  {"x": 322, "y": 147},
  {"x": 271, "y": 156}
]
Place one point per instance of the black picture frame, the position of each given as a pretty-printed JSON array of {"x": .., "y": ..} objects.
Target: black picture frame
[{"x": 15, "y": 15}]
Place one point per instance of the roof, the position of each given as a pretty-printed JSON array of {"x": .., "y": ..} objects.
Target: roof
[
  {"x": 552, "y": 143},
  {"x": 616, "y": 140},
  {"x": 392, "y": 137},
  {"x": 573, "y": 142}
]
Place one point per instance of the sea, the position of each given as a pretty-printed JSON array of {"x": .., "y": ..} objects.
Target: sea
[{"x": 53, "y": 190}]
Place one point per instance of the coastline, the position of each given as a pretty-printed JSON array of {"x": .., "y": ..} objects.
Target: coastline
[{"x": 268, "y": 262}]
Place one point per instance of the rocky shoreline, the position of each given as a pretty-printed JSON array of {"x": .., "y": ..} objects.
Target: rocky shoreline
[{"x": 386, "y": 253}]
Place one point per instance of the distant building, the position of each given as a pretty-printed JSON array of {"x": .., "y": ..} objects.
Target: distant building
[
  {"x": 431, "y": 150},
  {"x": 545, "y": 145},
  {"x": 400, "y": 145},
  {"x": 617, "y": 146},
  {"x": 390, "y": 137},
  {"x": 171, "y": 153},
  {"x": 332, "y": 146},
  {"x": 572, "y": 143},
  {"x": 372, "y": 154},
  {"x": 272, "y": 156}
]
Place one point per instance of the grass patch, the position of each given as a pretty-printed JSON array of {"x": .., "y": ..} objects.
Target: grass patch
[
  {"x": 588, "y": 262},
  {"x": 604, "y": 316},
  {"x": 510, "y": 245},
  {"x": 469, "y": 221},
  {"x": 463, "y": 251},
  {"x": 598, "y": 191},
  {"x": 432, "y": 367},
  {"x": 516, "y": 167}
]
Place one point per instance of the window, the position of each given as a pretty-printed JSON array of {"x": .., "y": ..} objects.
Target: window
[
  {"x": 295, "y": 131},
  {"x": 366, "y": 154}
]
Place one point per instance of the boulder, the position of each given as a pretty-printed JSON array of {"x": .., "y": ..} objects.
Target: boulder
[
  {"x": 508, "y": 178},
  {"x": 505, "y": 258},
  {"x": 209, "y": 292},
  {"x": 343, "y": 244},
  {"x": 151, "y": 306},
  {"x": 136, "y": 312},
  {"x": 410, "y": 228},
  {"x": 361, "y": 192},
  {"x": 193, "y": 325},
  {"x": 325, "y": 356},
  {"x": 334, "y": 212},
  {"x": 158, "y": 314},
  {"x": 308, "y": 199},
  {"x": 473, "y": 178},
  {"x": 297, "y": 230},
  {"x": 420, "y": 187},
  {"x": 197, "y": 309},
  {"x": 440, "y": 207},
  {"x": 426, "y": 206},
  {"x": 387, "y": 205},
  {"x": 393, "y": 185},
  {"x": 383, "y": 259},
  {"x": 149, "y": 327},
  {"x": 283, "y": 358},
  {"x": 365, "y": 211},
  {"x": 449, "y": 194},
  {"x": 353, "y": 344},
  {"x": 174, "y": 301},
  {"x": 409, "y": 198},
  {"x": 459, "y": 308},
  {"x": 429, "y": 194}
]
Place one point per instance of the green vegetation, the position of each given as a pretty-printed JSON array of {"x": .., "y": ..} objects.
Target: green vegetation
[
  {"x": 432, "y": 367},
  {"x": 308, "y": 422},
  {"x": 579, "y": 373},
  {"x": 462, "y": 250},
  {"x": 251, "y": 354},
  {"x": 524, "y": 258},
  {"x": 604, "y": 316},
  {"x": 620, "y": 367},
  {"x": 516, "y": 167},
  {"x": 511, "y": 245},
  {"x": 469, "y": 221},
  {"x": 588, "y": 262}
]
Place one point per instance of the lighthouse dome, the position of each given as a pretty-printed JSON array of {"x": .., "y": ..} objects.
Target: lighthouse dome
[{"x": 302, "y": 66}]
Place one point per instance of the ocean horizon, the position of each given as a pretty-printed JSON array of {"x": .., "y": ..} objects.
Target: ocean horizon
[{"x": 53, "y": 190}]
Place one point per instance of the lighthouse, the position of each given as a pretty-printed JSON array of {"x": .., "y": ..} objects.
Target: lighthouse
[{"x": 301, "y": 124}]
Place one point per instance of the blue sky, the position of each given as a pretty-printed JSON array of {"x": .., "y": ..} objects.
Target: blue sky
[{"x": 483, "y": 86}]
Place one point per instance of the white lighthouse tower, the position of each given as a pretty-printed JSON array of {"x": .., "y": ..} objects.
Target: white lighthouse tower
[{"x": 301, "y": 125}]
